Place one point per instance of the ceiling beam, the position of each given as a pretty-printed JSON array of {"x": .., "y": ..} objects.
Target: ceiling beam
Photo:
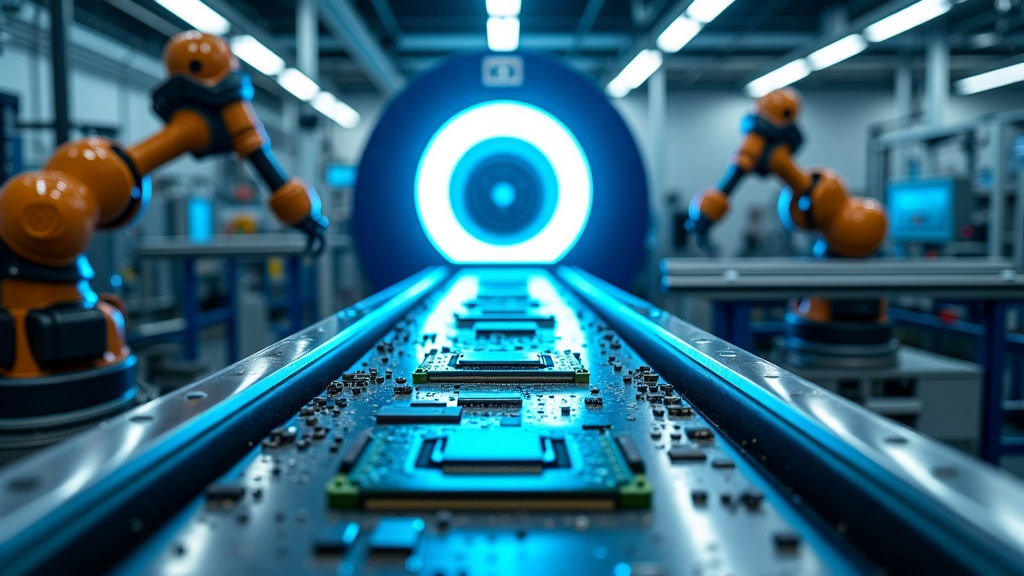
[
  {"x": 590, "y": 13},
  {"x": 387, "y": 18},
  {"x": 347, "y": 25}
]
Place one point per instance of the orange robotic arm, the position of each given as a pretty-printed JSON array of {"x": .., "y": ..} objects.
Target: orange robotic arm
[
  {"x": 47, "y": 218},
  {"x": 815, "y": 200}
]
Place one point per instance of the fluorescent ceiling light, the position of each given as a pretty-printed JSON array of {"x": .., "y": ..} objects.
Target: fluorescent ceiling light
[
  {"x": 503, "y": 33},
  {"x": 198, "y": 15},
  {"x": 704, "y": 11},
  {"x": 990, "y": 80},
  {"x": 617, "y": 89},
  {"x": 678, "y": 34},
  {"x": 778, "y": 78},
  {"x": 910, "y": 17},
  {"x": 504, "y": 7},
  {"x": 257, "y": 55},
  {"x": 635, "y": 73},
  {"x": 837, "y": 51},
  {"x": 328, "y": 105},
  {"x": 298, "y": 84}
]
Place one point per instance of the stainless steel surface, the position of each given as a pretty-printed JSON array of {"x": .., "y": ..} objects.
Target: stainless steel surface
[
  {"x": 753, "y": 278},
  {"x": 943, "y": 394},
  {"x": 233, "y": 245},
  {"x": 987, "y": 500},
  {"x": 35, "y": 489}
]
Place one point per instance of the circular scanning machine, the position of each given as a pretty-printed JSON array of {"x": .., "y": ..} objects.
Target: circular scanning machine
[{"x": 500, "y": 160}]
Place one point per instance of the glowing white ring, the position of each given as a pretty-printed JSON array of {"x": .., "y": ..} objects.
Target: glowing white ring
[{"x": 503, "y": 119}]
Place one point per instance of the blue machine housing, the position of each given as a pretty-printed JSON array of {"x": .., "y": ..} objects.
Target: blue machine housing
[{"x": 389, "y": 237}]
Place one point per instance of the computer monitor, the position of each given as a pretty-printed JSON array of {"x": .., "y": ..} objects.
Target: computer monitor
[{"x": 928, "y": 211}]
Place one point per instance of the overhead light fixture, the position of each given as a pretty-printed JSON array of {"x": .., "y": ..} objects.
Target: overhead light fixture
[
  {"x": 704, "y": 11},
  {"x": 300, "y": 85},
  {"x": 329, "y": 105},
  {"x": 837, "y": 51},
  {"x": 989, "y": 80},
  {"x": 504, "y": 7},
  {"x": 635, "y": 73},
  {"x": 503, "y": 33},
  {"x": 779, "y": 78},
  {"x": 197, "y": 15},
  {"x": 678, "y": 34},
  {"x": 910, "y": 17},
  {"x": 255, "y": 54}
]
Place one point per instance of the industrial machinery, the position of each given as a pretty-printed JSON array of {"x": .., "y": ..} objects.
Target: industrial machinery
[
  {"x": 819, "y": 331},
  {"x": 63, "y": 354},
  {"x": 504, "y": 419}
]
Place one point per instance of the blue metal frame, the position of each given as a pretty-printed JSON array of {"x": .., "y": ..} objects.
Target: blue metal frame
[
  {"x": 301, "y": 296},
  {"x": 731, "y": 321}
]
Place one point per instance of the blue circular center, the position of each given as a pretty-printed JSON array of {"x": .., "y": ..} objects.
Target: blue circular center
[
  {"x": 503, "y": 194},
  {"x": 503, "y": 191}
]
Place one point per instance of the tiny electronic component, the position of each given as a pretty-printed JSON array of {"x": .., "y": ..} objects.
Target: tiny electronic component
[
  {"x": 508, "y": 329},
  {"x": 472, "y": 451},
  {"x": 336, "y": 538},
  {"x": 397, "y": 414},
  {"x": 396, "y": 535},
  {"x": 504, "y": 315},
  {"x": 496, "y": 399},
  {"x": 686, "y": 453},
  {"x": 502, "y": 359},
  {"x": 501, "y": 367}
]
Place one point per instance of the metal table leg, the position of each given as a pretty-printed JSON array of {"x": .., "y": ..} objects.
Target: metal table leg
[
  {"x": 295, "y": 300},
  {"x": 741, "y": 335},
  {"x": 231, "y": 270},
  {"x": 722, "y": 319},
  {"x": 190, "y": 303},
  {"x": 731, "y": 322},
  {"x": 993, "y": 344}
]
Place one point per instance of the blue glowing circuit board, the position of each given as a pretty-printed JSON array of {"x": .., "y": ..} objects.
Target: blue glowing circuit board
[{"x": 389, "y": 473}]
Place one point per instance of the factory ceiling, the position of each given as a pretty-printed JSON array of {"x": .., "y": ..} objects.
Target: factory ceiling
[{"x": 596, "y": 36}]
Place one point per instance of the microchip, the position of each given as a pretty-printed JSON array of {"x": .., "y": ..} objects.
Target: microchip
[
  {"x": 507, "y": 315},
  {"x": 502, "y": 359},
  {"x": 686, "y": 453},
  {"x": 336, "y": 538},
  {"x": 630, "y": 451},
  {"x": 502, "y": 468},
  {"x": 396, "y": 535},
  {"x": 507, "y": 329},
  {"x": 501, "y": 367},
  {"x": 699, "y": 434},
  {"x": 496, "y": 399},
  {"x": 472, "y": 451},
  {"x": 396, "y": 414},
  {"x": 224, "y": 493},
  {"x": 503, "y": 291}
]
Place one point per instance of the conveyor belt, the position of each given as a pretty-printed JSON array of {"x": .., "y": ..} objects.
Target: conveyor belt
[{"x": 677, "y": 454}]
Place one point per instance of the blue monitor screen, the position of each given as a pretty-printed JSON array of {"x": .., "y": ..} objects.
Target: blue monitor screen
[
  {"x": 200, "y": 219},
  {"x": 921, "y": 211},
  {"x": 341, "y": 176}
]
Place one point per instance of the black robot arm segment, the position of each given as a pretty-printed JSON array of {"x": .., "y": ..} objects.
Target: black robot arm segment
[
  {"x": 732, "y": 177},
  {"x": 294, "y": 202},
  {"x": 269, "y": 168}
]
